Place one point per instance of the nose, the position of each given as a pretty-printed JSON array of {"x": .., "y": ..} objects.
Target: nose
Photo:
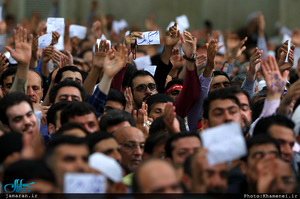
[
  {"x": 138, "y": 151},
  {"x": 148, "y": 90},
  {"x": 286, "y": 150},
  {"x": 69, "y": 98},
  {"x": 81, "y": 166},
  {"x": 30, "y": 91},
  {"x": 228, "y": 117}
]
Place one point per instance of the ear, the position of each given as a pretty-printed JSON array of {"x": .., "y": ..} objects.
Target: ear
[
  {"x": 51, "y": 128},
  {"x": 6, "y": 128},
  {"x": 205, "y": 123}
]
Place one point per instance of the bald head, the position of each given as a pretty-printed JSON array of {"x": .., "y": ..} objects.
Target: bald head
[
  {"x": 132, "y": 144},
  {"x": 156, "y": 176}
]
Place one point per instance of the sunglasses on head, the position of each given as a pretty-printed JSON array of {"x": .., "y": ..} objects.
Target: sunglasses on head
[{"x": 143, "y": 87}]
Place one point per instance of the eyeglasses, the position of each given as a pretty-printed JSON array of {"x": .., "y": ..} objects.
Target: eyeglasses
[
  {"x": 143, "y": 87},
  {"x": 131, "y": 146}
]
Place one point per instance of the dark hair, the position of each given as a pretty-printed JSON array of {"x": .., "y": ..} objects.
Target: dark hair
[
  {"x": 153, "y": 141},
  {"x": 169, "y": 144},
  {"x": 66, "y": 83},
  {"x": 76, "y": 109},
  {"x": 130, "y": 70},
  {"x": 238, "y": 80},
  {"x": 8, "y": 72},
  {"x": 259, "y": 140},
  {"x": 94, "y": 138},
  {"x": 264, "y": 124},
  {"x": 62, "y": 70},
  {"x": 218, "y": 72},
  {"x": 69, "y": 126},
  {"x": 222, "y": 94},
  {"x": 262, "y": 93},
  {"x": 10, "y": 143},
  {"x": 116, "y": 96},
  {"x": 115, "y": 117},
  {"x": 157, "y": 98},
  {"x": 9, "y": 100},
  {"x": 139, "y": 73},
  {"x": 84, "y": 51},
  {"x": 257, "y": 109},
  {"x": 28, "y": 170},
  {"x": 51, "y": 114},
  {"x": 237, "y": 90},
  {"x": 158, "y": 125}
]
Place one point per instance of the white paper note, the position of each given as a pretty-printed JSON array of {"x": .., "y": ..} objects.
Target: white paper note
[
  {"x": 289, "y": 48},
  {"x": 10, "y": 59},
  {"x": 44, "y": 40},
  {"x": 170, "y": 24},
  {"x": 220, "y": 43},
  {"x": 107, "y": 41},
  {"x": 0, "y": 13},
  {"x": 77, "y": 31},
  {"x": 142, "y": 62},
  {"x": 285, "y": 38},
  {"x": 84, "y": 183},
  {"x": 224, "y": 143},
  {"x": 183, "y": 21},
  {"x": 57, "y": 24},
  {"x": 151, "y": 69},
  {"x": 285, "y": 30},
  {"x": 149, "y": 38}
]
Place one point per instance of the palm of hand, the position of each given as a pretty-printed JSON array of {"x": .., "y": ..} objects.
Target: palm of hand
[
  {"x": 99, "y": 58},
  {"x": 22, "y": 53},
  {"x": 172, "y": 39},
  {"x": 112, "y": 66},
  {"x": 276, "y": 84}
]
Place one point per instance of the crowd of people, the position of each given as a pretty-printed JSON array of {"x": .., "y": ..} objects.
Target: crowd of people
[{"x": 89, "y": 110}]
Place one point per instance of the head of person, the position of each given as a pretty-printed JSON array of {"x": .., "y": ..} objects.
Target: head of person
[
  {"x": 17, "y": 113},
  {"x": 221, "y": 106},
  {"x": 155, "y": 176},
  {"x": 67, "y": 154},
  {"x": 105, "y": 143},
  {"x": 6, "y": 79},
  {"x": 130, "y": 70},
  {"x": 281, "y": 129},
  {"x": 67, "y": 90},
  {"x": 200, "y": 177},
  {"x": 220, "y": 80},
  {"x": 132, "y": 143},
  {"x": 142, "y": 86},
  {"x": 69, "y": 73},
  {"x": 156, "y": 105},
  {"x": 30, "y": 171},
  {"x": 53, "y": 116},
  {"x": 116, "y": 119},
  {"x": 71, "y": 128},
  {"x": 87, "y": 56},
  {"x": 34, "y": 86},
  {"x": 115, "y": 100},
  {"x": 181, "y": 145},
  {"x": 155, "y": 146},
  {"x": 159, "y": 126},
  {"x": 244, "y": 99},
  {"x": 219, "y": 60},
  {"x": 259, "y": 147},
  {"x": 82, "y": 113},
  {"x": 174, "y": 88}
]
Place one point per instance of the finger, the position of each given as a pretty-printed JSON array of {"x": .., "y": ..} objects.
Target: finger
[{"x": 96, "y": 48}]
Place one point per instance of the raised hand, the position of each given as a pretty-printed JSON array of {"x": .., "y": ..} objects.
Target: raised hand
[
  {"x": 274, "y": 80},
  {"x": 201, "y": 59},
  {"x": 281, "y": 54},
  {"x": 141, "y": 117},
  {"x": 48, "y": 53},
  {"x": 3, "y": 64},
  {"x": 170, "y": 119},
  {"x": 188, "y": 45},
  {"x": 69, "y": 57},
  {"x": 172, "y": 36},
  {"x": 255, "y": 62},
  {"x": 237, "y": 51},
  {"x": 115, "y": 60},
  {"x": 100, "y": 54},
  {"x": 212, "y": 50},
  {"x": 129, "y": 101},
  {"x": 176, "y": 59},
  {"x": 22, "y": 52},
  {"x": 96, "y": 29},
  {"x": 55, "y": 37},
  {"x": 130, "y": 39}
]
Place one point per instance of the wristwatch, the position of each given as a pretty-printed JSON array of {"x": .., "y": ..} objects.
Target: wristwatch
[{"x": 192, "y": 59}]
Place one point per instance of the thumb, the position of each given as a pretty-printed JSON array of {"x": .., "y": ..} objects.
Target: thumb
[
  {"x": 286, "y": 74},
  {"x": 9, "y": 49}
]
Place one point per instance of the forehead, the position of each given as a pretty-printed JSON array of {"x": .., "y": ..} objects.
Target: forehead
[
  {"x": 109, "y": 142},
  {"x": 242, "y": 98},
  {"x": 222, "y": 104},
  {"x": 187, "y": 142},
  {"x": 133, "y": 134},
  {"x": 68, "y": 90},
  {"x": 69, "y": 73},
  {"x": 74, "y": 150},
  {"x": 160, "y": 105},
  {"x": 262, "y": 147},
  {"x": 34, "y": 78},
  {"x": 219, "y": 79},
  {"x": 8, "y": 79},
  {"x": 281, "y": 132},
  {"x": 18, "y": 109},
  {"x": 84, "y": 118},
  {"x": 142, "y": 80}
]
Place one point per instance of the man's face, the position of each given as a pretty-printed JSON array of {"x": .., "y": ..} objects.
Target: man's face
[
  {"x": 109, "y": 105},
  {"x": 7, "y": 83},
  {"x": 219, "y": 60},
  {"x": 257, "y": 153},
  {"x": 157, "y": 110},
  {"x": 21, "y": 118},
  {"x": 219, "y": 82},
  {"x": 175, "y": 94},
  {"x": 183, "y": 148},
  {"x": 34, "y": 87},
  {"x": 132, "y": 144},
  {"x": 70, "y": 75},
  {"x": 222, "y": 111},
  {"x": 88, "y": 121},
  {"x": 70, "y": 159},
  {"x": 285, "y": 136},
  {"x": 109, "y": 147},
  {"x": 68, "y": 93},
  {"x": 142, "y": 92},
  {"x": 245, "y": 108},
  {"x": 158, "y": 177}
]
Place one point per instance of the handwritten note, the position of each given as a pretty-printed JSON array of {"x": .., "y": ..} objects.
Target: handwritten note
[
  {"x": 0, "y": 13},
  {"x": 84, "y": 183},
  {"x": 77, "y": 31},
  {"x": 142, "y": 62},
  {"x": 287, "y": 54},
  {"x": 10, "y": 59},
  {"x": 151, "y": 69},
  {"x": 224, "y": 143},
  {"x": 118, "y": 26},
  {"x": 57, "y": 24},
  {"x": 149, "y": 38},
  {"x": 44, "y": 40}
]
